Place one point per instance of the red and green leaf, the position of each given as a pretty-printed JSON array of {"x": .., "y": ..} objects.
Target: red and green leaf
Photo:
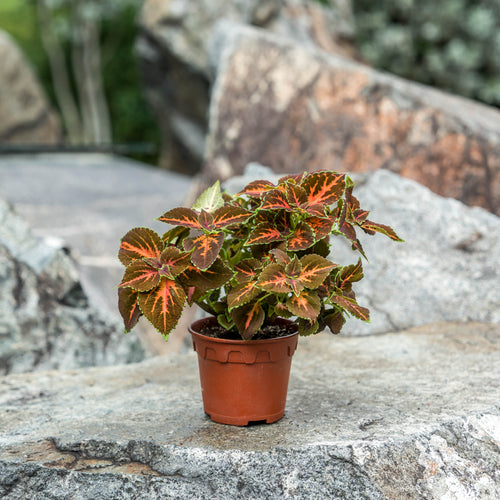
[
  {"x": 139, "y": 243},
  {"x": 212, "y": 278},
  {"x": 301, "y": 238},
  {"x": 274, "y": 279},
  {"x": 181, "y": 216},
  {"x": 206, "y": 220},
  {"x": 248, "y": 319},
  {"x": 324, "y": 187},
  {"x": 205, "y": 248},
  {"x": 295, "y": 195},
  {"x": 315, "y": 269},
  {"x": 140, "y": 276},
  {"x": 334, "y": 321},
  {"x": 173, "y": 262},
  {"x": 175, "y": 235},
  {"x": 128, "y": 307},
  {"x": 276, "y": 200},
  {"x": 351, "y": 274},
  {"x": 371, "y": 227},
  {"x": 228, "y": 215},
  {"x": 352, "y": 307},
  {"x": 321, "y": 227},
  {"x": 307, "y": 327},
  {"x": 257, "y": 188},
  {"x": 306, "y": 305},
  {"x": 247, "y": 270},
  {"x": 241, "y": 294},
  {"x": 264, "y": 233},
  {"x": 163, "y": 305}
]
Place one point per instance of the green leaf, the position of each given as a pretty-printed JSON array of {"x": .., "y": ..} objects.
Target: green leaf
[
  {"x": 140, "y": 243},
  {"x": 306, "y": 305},
  {"x": 248, "y": 319},
  {"x": 163, "y": 305},
  {"x": 210, "y": 200}
]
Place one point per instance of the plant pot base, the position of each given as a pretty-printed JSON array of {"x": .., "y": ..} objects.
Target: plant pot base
[{"x": 244, "y": 421}]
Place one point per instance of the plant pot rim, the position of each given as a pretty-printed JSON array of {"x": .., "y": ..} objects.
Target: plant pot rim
[{"x": 192, "y": 330}]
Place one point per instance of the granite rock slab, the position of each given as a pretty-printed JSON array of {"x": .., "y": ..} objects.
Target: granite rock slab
[
  {"x": 411, "y": 414},
  {"x": 300, "y": 109}
]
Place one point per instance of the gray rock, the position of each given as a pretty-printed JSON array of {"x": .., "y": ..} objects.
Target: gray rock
[
  {"x": 447, "y": 269},
  {"x": 413, "y": 414},
  {"x": 172, "y": 47},
  {"x": 45, "y": 318},
  {"x": 296, "y": 109},
  {"x": 25, "y": 114}
]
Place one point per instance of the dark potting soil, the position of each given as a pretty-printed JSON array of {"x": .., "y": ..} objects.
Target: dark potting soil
[{"x": 266, "y": 332}]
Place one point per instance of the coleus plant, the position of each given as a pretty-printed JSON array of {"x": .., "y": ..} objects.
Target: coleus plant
[{"x": 250, "y": 258}]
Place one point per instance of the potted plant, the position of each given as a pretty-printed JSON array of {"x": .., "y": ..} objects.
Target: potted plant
[{"x": 259, "y": 264}]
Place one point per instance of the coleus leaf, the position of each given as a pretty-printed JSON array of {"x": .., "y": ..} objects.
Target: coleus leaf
[
  {"x": 307, "y": 327},
  {"x": 371, "y": 227},
  {"x": 351, "y": 274},
  {"x": 206, "y": 220},
  {"x": 351, "y": 306},
  {"x": 204, "y": 281},
  {"x": 242, "y": 293},
  {"x": 334, "y": 321},
  {"x": 297, "y": 178},
  {"x": 181, "y": 216},
  {"x": 247, "y": 270},
  {"x": 139, "y": 243},
  {"x": 314, "y": 270},
  {"x": 306, "y": 305},
  {"x": 173, "y": 262},
  {"x": 301, "y": 238},
  {"x": 276, "y": 200},
  {"x": 163, "y": 305},
  {"x": 280, "y": 256},
  {"x": 175, "y": 235},
  {"x": 321, "y": 226},
  {"x": 228, "y": 215},
  {"x": 264, "y": 233},
  {"x": 248, "y": 319},
  {"x": 295, "y": 195},
  {"x": 257, "y": 188},
  {"x": 140, "y": 276},
  {"x": 210, "y": 200},
  {"x": 128, "y": 307},
  {"x": 324, "y": 187},
  {"x": 274, "y": 279},
  {"x": 205, "y": 248}
]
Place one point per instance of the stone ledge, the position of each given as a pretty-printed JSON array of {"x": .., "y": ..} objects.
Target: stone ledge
[{"x": 400, "y": 415}]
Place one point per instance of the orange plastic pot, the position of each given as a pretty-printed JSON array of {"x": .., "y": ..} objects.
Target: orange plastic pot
[{"x": 242, "y": 381}]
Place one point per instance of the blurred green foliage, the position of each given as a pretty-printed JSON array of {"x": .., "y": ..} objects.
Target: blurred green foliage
[
  {"x": 451, "y": 44},
  {"x": 132, "y": 120}
]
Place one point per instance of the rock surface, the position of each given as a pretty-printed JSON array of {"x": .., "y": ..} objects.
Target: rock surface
[
  {"x": 298, "y": 109},
  {"x": 45, "y": 318},
  {"x": 25, "y": 114},
  {"x": 87, "y": 202},
  {"x": 447, "y": 269},
  {"x": 172, "y": 47},
  {"x": 413, "y": 414}
]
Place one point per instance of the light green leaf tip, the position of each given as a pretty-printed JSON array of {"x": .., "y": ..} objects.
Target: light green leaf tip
[{"x": 210, "y": 200}]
